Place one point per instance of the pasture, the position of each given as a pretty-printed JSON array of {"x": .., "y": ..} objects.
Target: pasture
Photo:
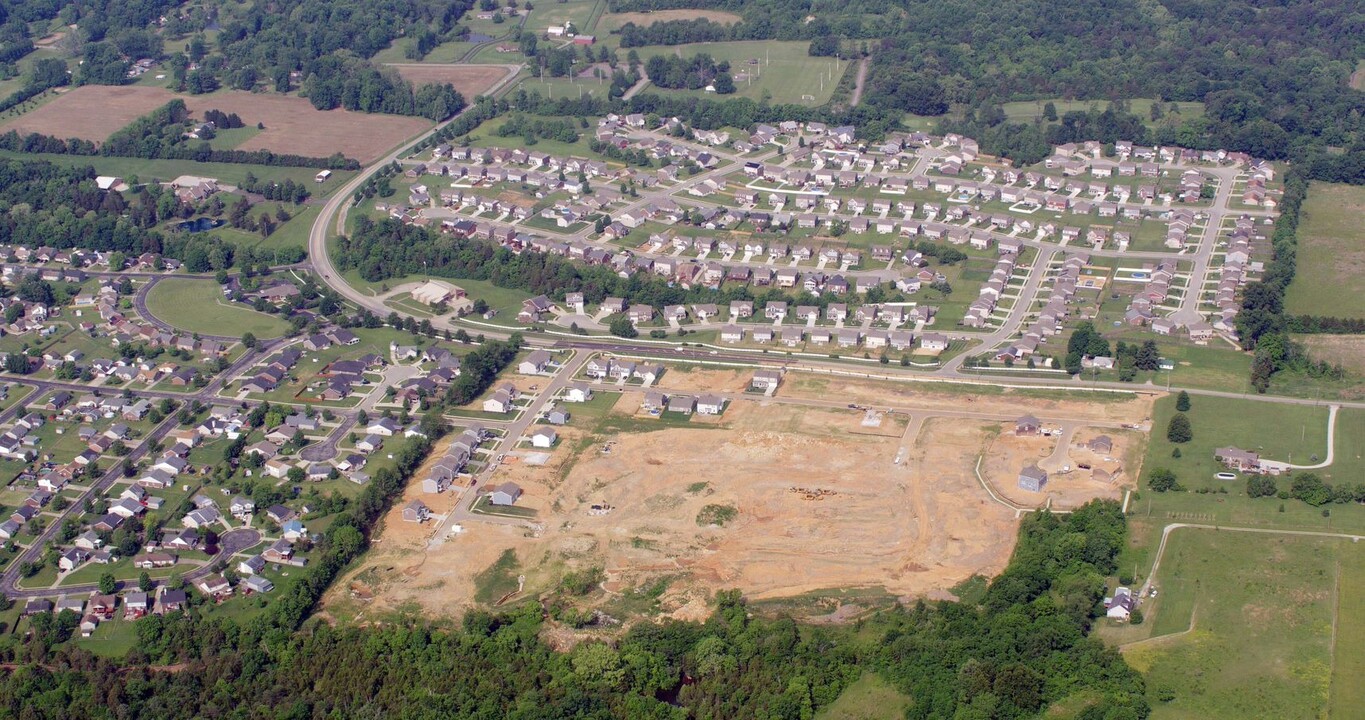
[
  {"x": 1028, "y": 111},
  {"x": 90, "y": 112},
  {"x": 1248, "y": 626},
  {"x": 614, "y": 21},
  {"x": 199, "y": 306},
  {"x": 469, "y": 80},
  {"x": 1331, "y": 254},
  {"x": 293, "y": 125},
  {"x": 782, "y": 69}
]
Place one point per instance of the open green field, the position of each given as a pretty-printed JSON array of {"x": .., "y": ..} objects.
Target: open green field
[
  {"x": 1266, "y": 428},
  {"x": 1030, "y": 110},
  {"x": 614, "y": 21},
  {"x": 1348, "y": 665},
  {"x": 784, "y": 69},
  {"x": 166, "y": 170},
  {"x": 292, "y": 233},
  {"x": 1331, "y": 254},
  {"x": 198, "y": 306},
  {"x": 230, "y": 139},
  {"x": 1263, "y": 620},
  {"x": 870, "y": 698}
]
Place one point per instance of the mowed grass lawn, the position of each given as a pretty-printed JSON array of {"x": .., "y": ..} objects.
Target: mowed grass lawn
[
  {"x": 1030, "y": 110},
  {"x": 1330, "y": 275},
  {"x": 199, "y": 306},
  {"x": 1264, "y": 614},
  {"x": 1274, "y": 430},
  {"x": 784, "y": 69}
]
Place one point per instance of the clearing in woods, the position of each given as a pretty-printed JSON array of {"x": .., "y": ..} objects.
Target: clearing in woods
[
  {"x": 784, "y": 68},
  {"x": 1268, "y": 618},
  {"x": 292, "y": 124},
  {"x": 1331, "y": 254},
  {"x": 613, "y": 21},
  {"x": 469, "y": 80},
  {"x": 811, "y": 499}
]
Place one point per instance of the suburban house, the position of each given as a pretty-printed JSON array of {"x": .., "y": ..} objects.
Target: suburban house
[
  {"x": 766, "y": 379},
  {"x": 505, "y": 494},
  {"x": 1032, "y": 478},
  {"x": 416, "y": 511},
  {"x": 1238, "y": 459}
]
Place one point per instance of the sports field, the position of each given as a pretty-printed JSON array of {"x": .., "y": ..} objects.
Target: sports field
[
  {"x": 1254, "y": 626},
  {"x": 199, "y": 306},
  {"x": 783, "y": 69},
  {"x": 1329, "y": 278}
]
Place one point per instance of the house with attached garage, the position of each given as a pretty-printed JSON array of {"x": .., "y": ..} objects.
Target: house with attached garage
[{"x": 1121, "y": 605}]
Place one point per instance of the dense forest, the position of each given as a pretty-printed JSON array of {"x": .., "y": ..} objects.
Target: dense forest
[{"x": 1007, "y": 652}]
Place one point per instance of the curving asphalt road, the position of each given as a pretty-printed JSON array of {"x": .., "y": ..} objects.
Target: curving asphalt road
[{"x": 326, "y": 449}]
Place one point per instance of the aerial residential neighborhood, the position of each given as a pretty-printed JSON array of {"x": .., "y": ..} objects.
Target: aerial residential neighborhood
[{"x": 627, "y": 359}]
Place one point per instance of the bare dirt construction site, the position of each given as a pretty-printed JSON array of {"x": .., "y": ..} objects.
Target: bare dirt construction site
[
  {"x": 469, "y": 80},
  {"x": 90, "y": 112},
  {"x": 805, "y": 499}
]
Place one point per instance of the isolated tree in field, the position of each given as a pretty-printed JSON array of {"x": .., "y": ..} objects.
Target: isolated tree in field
[
  {"x": 1050, "y": 112},
  {"x": 249, "y": 340},
  {"x": 1179, "y": 431},
  {"x": 1182, "y": 401},
  {"x": 1162, "y": 480}
]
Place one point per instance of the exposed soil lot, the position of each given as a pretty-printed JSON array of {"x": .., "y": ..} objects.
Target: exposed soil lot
[
  {"x": 90, "y": 112},
  {"x": 819, "y": 503},
  {"x": 292, "y": 125},
  {"x": 469, "y": 80}
]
